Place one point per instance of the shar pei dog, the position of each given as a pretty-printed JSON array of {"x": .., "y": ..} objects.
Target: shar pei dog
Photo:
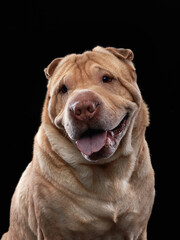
[{"x": 91, "y": 176}]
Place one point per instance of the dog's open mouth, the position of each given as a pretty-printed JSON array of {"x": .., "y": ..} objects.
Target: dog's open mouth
[{"x": 94, "y": 141}]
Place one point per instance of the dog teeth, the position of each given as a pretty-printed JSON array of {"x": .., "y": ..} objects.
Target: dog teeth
[
  {"x": 111, "y": 133},
  {"x": 109, "y": 140}
]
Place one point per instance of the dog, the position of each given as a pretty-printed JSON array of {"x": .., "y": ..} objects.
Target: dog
[{"x": 91, "y": 175}]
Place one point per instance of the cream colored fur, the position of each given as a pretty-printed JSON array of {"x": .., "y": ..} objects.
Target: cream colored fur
[{"x": 61, "y": 195}]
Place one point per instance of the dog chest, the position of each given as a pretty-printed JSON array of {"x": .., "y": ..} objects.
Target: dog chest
[
  {"x": 93, "y": 219},
  {"x": 105, "y": 223}
]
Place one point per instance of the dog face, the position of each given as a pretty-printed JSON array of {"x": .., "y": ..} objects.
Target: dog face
[{"x": 93, "y": 99}]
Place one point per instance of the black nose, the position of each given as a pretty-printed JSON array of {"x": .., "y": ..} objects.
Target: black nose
[{"x": 84, "y": 110}]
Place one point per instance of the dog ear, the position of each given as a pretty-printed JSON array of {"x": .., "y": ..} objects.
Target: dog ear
[
  {"x": 51, "y": 67},
  {"x": 121, "y": 53}
]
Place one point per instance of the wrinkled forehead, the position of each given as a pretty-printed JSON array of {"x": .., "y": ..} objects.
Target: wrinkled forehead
[
  {"x": 89, "y": 60},
  {"x": 80, "y": 70},
  {"x": 79, "y": 65}
]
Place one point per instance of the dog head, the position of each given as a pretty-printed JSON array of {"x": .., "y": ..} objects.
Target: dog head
[{"x": 93, "y": 99}]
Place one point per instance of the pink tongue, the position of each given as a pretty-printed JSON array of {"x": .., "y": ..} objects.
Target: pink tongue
[{"x": 92, "y": 141}]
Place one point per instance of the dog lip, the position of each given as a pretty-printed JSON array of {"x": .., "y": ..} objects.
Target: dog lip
[
  {"x": 121, "y": 125},
  {"x": 117, "y": 128}
]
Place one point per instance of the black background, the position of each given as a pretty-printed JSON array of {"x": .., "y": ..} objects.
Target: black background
[{"x": 51, "y": 31}]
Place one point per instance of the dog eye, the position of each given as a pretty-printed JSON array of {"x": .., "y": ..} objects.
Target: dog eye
[
  {"x": 106, "y": 79},
  {"x": 63, "y": 89}
]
